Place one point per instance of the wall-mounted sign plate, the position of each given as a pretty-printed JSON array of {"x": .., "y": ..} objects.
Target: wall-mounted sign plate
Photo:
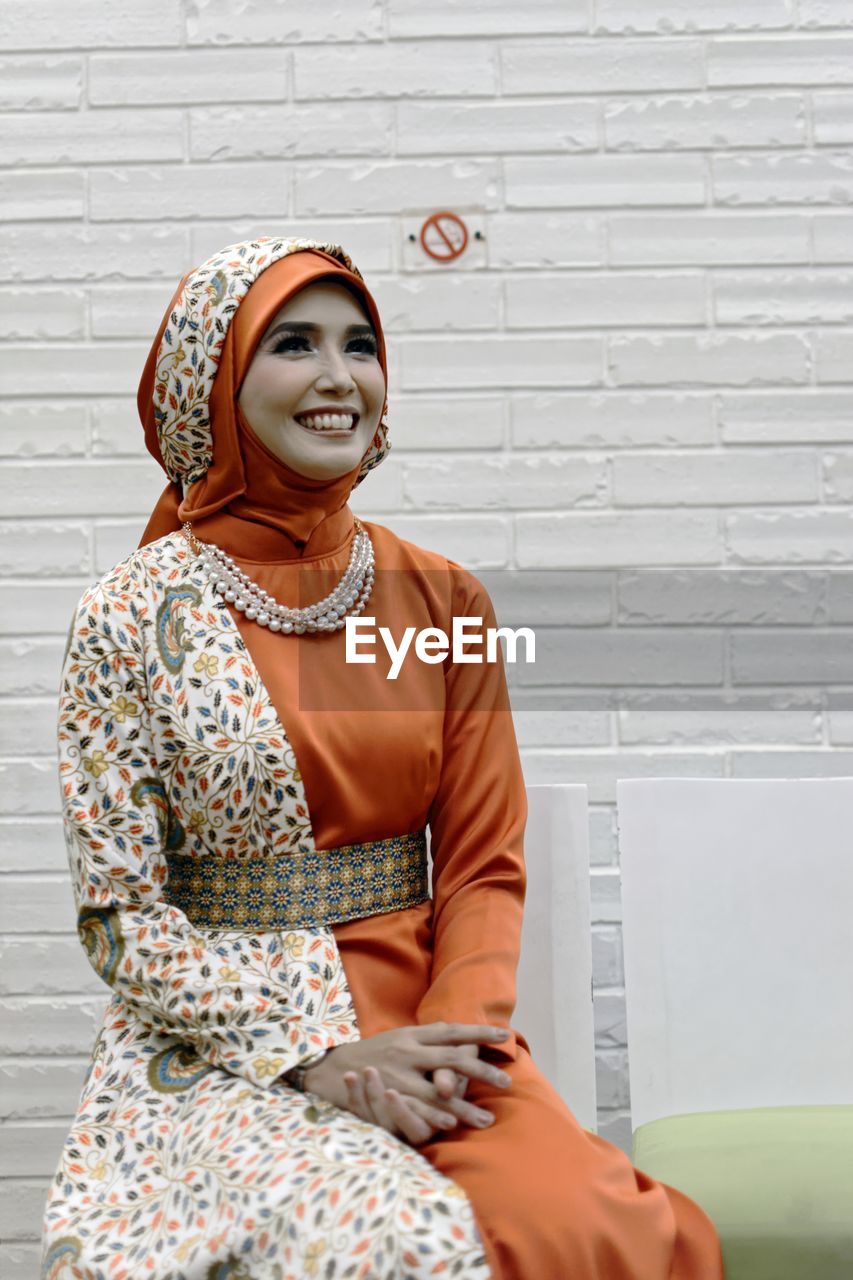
[{"x": 443, "y": 240}]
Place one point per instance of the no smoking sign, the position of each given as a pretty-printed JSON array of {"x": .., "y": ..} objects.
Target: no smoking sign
[{"x": 444, "y": 236}]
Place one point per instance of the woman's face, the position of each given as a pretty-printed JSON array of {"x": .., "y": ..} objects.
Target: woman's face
[{"x": 318, "y": 357}]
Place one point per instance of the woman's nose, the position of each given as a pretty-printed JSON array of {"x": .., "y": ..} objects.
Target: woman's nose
[{"x": 335, "y": 372}]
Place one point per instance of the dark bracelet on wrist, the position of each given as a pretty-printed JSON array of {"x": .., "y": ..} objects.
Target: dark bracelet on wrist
[{"x": 295, "y": 1077}]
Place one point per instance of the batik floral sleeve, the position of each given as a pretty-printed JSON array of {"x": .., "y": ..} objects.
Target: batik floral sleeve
[{"x": 253, "y": 1005}]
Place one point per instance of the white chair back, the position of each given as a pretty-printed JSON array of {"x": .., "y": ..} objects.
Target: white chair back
[
  {"x": 737, "y": 900},
  {"x": 554, "y": 1008}
]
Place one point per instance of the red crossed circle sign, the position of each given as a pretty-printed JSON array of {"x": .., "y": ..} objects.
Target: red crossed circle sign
[{"x": 444, "y": 236}]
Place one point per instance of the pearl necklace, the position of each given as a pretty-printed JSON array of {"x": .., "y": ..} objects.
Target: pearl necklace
[{"x": 238, "y": 589}]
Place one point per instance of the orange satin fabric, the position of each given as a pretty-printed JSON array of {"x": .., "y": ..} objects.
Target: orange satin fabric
[{"x": 437, "y": 746}]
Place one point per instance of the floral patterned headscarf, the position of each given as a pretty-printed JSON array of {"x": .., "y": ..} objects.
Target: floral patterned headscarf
[{"x": 194, "y": 365}]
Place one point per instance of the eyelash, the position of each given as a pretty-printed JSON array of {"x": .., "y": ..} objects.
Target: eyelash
[{"x": 281, "y": 343}]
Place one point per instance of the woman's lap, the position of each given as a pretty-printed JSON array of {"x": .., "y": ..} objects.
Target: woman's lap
[{"x": 553, "y": 1200}]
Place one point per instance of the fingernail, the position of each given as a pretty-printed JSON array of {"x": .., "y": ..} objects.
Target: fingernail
[{"x": 485, "y": 1120}]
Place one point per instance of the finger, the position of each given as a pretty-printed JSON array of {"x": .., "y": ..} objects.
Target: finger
[
  {"x": 460, "y": 1033},
  {"x": 356, "y": 1100},
  {"x": 435, "y": 1115},
  {"x": 413, "y": 1126},
  {"x": 477, "y": 1117},
  {"x": 436, "y": 1058},
  {"x": 374, "y": 1089},
  {"x": 446, "y": 1081}
]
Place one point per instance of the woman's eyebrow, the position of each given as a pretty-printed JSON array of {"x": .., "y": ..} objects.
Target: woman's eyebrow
[{"x": 307, "y": 326}]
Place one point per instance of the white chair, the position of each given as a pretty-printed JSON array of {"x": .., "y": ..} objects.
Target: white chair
[
  {"x": 737, "y": 900},
  {"x": 554, "y": 1009}
]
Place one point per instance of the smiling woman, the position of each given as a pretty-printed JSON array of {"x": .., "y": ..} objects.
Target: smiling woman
[
  {"x": 315, "y": 389},
  {"x": 308, "y": 1066}
]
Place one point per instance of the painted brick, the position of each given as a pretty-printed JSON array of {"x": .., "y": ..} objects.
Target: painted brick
[
  {"x": 575, "y": 181},
  {"x": 709, "y": 359},
  {"x": 805, "y": 657},
  {"x": 70, "y": 368},
  {"x": 116, "y": 313},
  {"x": 838, "y": 477},
  {"x": 783, "y": 298},
  {"x": 663, "y": 17},
  {"x": 48, "y": 430},
  {"x": 43, "y": 550},
  {"x": 831, "y": 236},
  {"x": 839, "y": 596},
  {"x": 723, "y": 120},
  {"x": 49, "y": 1024},
  {"x": 115, "y": 540},
  {"x": 38, "y": 606},
  {"x": 492, "y": 17},
  {"x": 403, "y": 68},
  {"x": 42, "y": 313},
  {"x": 93, "y": 24},
  {"x": 31, "y": 666},
  {"x": 600, "y": 299},
  {"x": 807, "y": 416},
  {"x": 733, "y": 478},
  {"x": 30, "y": 1149},
  {"x": 611, "y": 1031},
  {"x": 600, "y": 65},
  {"x": 611, "y": 419},
  {"x": 598, "y": 770},
  {"x": 739, "y": 597},
  {"x": 615, "y": 1127},
  {"x": 647, "y": 656},
  {"x": 90, "y": 137},
  {"x": 790, "y": 537},
  {"x": 37, "y": 904},
  {"x": 369, "y": 242},
  {"x": 30, "y": 722},
  {"x": 385, "y": 186},
  {"x": 41, "y": 195},
  {"x": 791, "y": 764},
  {"x": 258, "y": 22},
  {"x": 575, "y": 540},
  {"x": 474, "y": 128},
  {"x": 545, "y": 719},
  {"x": 36, "y": 83},
  {"x": 802, "y": 59},
  {"x": 833, "y": 353},
  {"x": 270, "y": 133},
  {"x": 824, "y": 13},
  {"x": 192, "y": 191},
  {"x": 603, "y": 851},
  {"x": 454, "y": 422},
  {"x": 782, "y": 179},
  {"x": 81, "y": 253},
  {"x": 518, "y": 240},
  {"x": 514, "y": 360},
  {"x": 47, "y": 966},
  {"x": 22, "y": 1209},
  {"x": 696, "y": 719},
  {"x": 432, "y": 302},
  {"x": 607, "y": 957},
  {"x": 840, "y": 719},
  {"x": 116, "y": 431},
  {"x": 518, "y": 483},
  {"x": 833, "y": 117},
  {"x": 35, "y": 844},
  {"x": 31, "y": 1090},
  {"x": 76, "y": 488},
  {"x": 707, "y": 239},
  {"x": 611, "y": 1078},
  {"x": 196, "y": 75},
  {"x": 384, "y": 493},
  {"x": 473, "y": 540}
]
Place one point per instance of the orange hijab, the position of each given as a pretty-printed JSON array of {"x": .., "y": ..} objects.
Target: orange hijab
[{"x": 245, "y": 478}]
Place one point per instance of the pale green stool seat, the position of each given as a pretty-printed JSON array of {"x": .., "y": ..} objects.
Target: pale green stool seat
[{"x": 777, "y": 1182}]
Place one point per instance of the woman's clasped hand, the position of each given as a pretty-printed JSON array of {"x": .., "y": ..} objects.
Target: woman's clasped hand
[{"x": 411, "y": 1080}]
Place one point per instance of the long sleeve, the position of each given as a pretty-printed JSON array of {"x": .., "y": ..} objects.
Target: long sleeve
[
  {"x": 477, "y": 822},
  {"x": 252, "y": 1006}
]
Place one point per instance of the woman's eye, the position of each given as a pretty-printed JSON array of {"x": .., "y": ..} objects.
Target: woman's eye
[{"x": 299, "y": 342}]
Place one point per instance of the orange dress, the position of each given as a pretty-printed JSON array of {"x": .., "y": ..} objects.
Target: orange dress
[{"x": 436, "y": 746}]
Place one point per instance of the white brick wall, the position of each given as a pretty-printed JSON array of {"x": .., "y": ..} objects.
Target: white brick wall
[{"x": 644, "y": 365}]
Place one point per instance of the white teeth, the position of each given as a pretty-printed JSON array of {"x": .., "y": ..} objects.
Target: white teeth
[{"x": 327, "y": 421}]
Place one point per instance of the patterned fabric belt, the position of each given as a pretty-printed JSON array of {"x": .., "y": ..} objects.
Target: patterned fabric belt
[{"x": 300, "y": 890}]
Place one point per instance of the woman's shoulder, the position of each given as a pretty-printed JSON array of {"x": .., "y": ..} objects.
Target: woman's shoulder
[
  {"x": 395, "y": 552},
  {"x": 144, "y": 568}
]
